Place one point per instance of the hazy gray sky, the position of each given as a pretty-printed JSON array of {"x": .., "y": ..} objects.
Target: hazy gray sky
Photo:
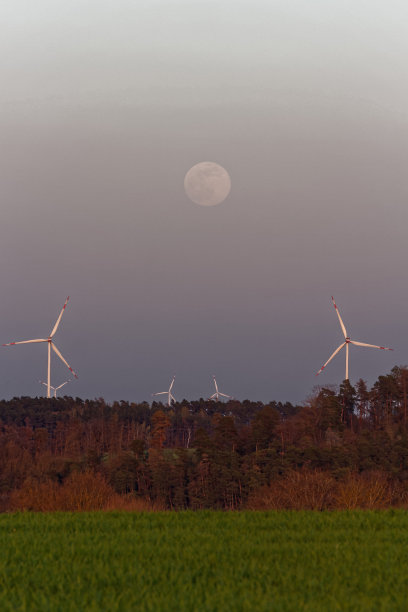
[{"x": 106, "y": 105}]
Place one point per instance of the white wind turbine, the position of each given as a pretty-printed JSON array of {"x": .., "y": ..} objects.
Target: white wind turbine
[
  {"x": 170, "y": 397},
  {"x": 218, "y": 393},
  {"x": 55, "y": 389},
  {"x": 346, "y": 343},
  {"x": 50, "y": 344}
]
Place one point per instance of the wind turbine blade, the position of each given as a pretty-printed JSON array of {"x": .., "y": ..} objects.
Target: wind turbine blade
[
  {"x": 340, "y": 319},
  {"x": 225, "y": 395},
  {"x": 62, "y": 359},
  {"x": 331, "y": 357},
  {"x": 172, "y": 397},
  {"x": 59, "y": 318},
  {"x": 46, "y": 384},
  {"x": 64, "y": 383},
  {"x": 161, "y": 393},
  {"x": 383, "y": 348},
  {"x": 172, "y": 383},
  {"x": 25, "y": 342}
]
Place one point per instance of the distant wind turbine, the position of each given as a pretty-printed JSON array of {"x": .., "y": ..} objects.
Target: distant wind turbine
[
  {"x": 218, "y": 393},
  {"x": 55, "y": 389},
  {"x": 346, "y": 343},
  {"x": 54, "y": 348},
  {"x": 170, "y": 397}
]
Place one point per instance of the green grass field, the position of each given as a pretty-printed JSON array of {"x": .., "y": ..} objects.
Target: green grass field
[{"x": 204, "y": 561}]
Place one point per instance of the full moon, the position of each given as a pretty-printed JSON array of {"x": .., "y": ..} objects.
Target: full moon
[{"x": 207, "y": 183}]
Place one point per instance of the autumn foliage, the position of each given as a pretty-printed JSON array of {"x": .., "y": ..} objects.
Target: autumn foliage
[
  {"x": 80, "y": 492},
  {"x": 345, "y": 448},
  {"x": 316, "y": 490}
]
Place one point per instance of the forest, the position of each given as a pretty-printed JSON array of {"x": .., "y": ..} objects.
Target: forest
[{"x": 344, "y": 447}]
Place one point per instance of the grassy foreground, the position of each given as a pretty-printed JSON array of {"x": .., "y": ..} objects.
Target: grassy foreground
[{"x": 204, "y": 561}]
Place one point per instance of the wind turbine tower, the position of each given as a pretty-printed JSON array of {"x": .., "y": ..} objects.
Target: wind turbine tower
[
  {"x": 50, "y": 342},
  {"x": 55, "y": 389},
  {"x": 170, "y": 396},
  {"x": 346, "y": 343},
  {"x": 216, "y": 396}
]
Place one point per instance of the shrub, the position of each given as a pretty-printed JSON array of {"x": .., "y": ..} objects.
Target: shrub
[
  {"x": 297, "y": 490},
  {"x": 80, "y": 492},
  {"x": 370, "y": 490}
]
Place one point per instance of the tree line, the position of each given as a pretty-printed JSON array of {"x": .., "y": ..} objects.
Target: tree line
[{"x": 343, "y": 447}]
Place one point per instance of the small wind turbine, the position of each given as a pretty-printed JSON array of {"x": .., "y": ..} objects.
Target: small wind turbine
[
  {"x": 170, "y": 397},
  {"x": 50, "y": 344},
  {"x": 346, "y": 343},
  {"x": 55, "y": 389},
  {"x": 218, "y": 393}
]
